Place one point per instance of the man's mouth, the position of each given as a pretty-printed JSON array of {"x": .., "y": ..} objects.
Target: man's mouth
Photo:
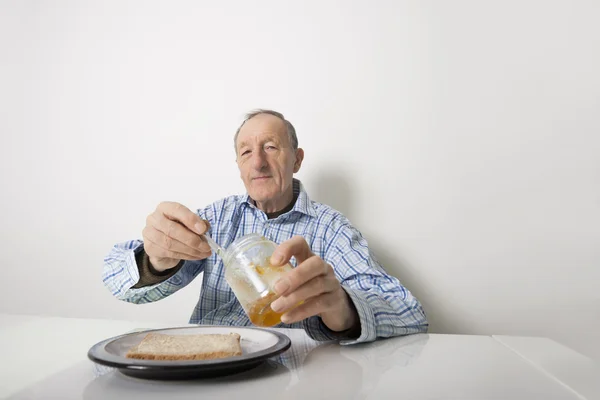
[{"x": 260, "y": 178}]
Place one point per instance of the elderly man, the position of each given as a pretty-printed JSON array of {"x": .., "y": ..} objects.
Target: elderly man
[{"x": 346, "y": 294}]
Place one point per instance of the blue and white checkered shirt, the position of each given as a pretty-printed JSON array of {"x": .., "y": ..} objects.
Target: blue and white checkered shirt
[{"x": 384, "y": 306}]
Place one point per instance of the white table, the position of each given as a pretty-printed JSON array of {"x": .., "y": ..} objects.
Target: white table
[{"x": 415, "y": 367}]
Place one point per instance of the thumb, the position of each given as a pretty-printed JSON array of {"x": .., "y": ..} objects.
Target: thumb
[{"x": 295, "y": 247}]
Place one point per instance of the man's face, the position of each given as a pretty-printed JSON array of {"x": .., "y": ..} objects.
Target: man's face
[{"x": 267, "y": 161}]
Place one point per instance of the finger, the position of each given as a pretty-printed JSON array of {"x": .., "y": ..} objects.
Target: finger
[
  {"x": 309, "y": 269},
  {"x": 155, "y": 250},
  {"x": 177, "y": 231},
  {"x": 315, "y": 306},
  {"x": 182, "y": 214},
  {"x": 313, "y": 288},
  {"x": 296, "y": 247},
  {"x": 168, "y": 243}
]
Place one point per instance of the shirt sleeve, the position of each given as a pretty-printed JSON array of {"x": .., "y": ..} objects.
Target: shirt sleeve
[
  {"x": 384, "y": 306},
  {"x": 121, "y": 273},
  {"x": 148, "y": 275}
]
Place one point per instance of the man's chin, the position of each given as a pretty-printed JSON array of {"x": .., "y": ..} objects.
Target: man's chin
[{"x": 265, "y": 188}]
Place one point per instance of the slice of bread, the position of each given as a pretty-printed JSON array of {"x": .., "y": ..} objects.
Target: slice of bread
[{"x": 157, "y": 346}]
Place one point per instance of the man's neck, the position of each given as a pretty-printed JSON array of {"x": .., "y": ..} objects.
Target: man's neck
[
  {"x": 276, "y": 205},
  {"x": 283, "y": 211},
  {"x": 285, "y": 205}
]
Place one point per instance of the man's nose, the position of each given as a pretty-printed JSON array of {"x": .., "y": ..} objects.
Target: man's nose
[{"x": 259, "y": 160}]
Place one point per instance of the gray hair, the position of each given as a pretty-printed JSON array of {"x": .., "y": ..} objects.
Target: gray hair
[{"x": 291, "y": 131}]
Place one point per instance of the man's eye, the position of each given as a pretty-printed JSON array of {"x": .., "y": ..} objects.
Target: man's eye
[
  {"x": 245, "y": 153},
  {"x": 271, "y": 148}
]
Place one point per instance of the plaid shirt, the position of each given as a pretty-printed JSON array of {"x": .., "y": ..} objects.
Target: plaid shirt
[{"x": 384, "y": 306}]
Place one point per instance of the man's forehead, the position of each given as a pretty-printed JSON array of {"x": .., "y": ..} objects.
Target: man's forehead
[{"x": 262, "y": 127}]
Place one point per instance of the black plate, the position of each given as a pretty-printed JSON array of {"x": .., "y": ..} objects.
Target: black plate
[{"x": 257, "y": 346}]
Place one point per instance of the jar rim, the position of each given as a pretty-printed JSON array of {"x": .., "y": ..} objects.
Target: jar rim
[{"x": 241, "y": 243}]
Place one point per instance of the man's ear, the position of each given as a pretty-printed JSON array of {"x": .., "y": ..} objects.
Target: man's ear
[{"x": 299, "y": 159}]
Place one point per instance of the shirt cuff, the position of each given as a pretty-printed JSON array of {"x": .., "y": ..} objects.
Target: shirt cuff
[
  {"x": 368, "y": 330},
  {"x": 150, "y": 276},
  {"x": 317, "y": 330}
]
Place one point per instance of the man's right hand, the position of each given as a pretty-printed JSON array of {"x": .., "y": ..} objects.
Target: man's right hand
[{"x": 174, "y": 233}]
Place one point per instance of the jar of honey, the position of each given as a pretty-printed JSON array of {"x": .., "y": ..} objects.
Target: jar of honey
[{"x": 249, "y": 272}]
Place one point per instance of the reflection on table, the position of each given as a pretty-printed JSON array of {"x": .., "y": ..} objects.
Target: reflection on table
[{"x": 298, "y": 373}]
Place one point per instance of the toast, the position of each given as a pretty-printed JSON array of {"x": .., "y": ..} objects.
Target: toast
[{"x": 157, "y": 346}]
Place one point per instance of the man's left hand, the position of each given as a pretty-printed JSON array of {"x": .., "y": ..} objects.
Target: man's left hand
[{"x": 313, "y": 283}]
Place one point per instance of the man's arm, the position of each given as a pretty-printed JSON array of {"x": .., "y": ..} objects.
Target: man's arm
[
  {"x": 121, "y": 275},
  {"x": 346, "y": 295},
  {"x": 384, "y": 306},
  {"x": 130, "y": 275}
]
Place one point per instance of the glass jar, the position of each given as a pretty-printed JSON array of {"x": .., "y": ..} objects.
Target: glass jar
[{"x": 249, "y": 272}]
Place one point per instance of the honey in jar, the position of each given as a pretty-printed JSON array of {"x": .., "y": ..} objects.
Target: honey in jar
[
  {"x": 251, "y": 276},
  {"x": 260, "y": 312}
]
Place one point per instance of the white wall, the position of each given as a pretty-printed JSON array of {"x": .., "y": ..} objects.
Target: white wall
[{"x": 462, "y": 138}]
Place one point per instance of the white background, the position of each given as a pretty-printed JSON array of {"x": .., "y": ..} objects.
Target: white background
[{"x": 462, "y": 138}]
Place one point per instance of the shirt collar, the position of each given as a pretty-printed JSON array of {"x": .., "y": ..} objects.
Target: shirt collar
[{"x": 303, "y": 204}]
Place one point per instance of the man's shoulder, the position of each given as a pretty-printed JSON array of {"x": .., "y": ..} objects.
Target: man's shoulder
[
  {"x": 225, "y": 204},
  {"x": 329, "y": 215}
]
